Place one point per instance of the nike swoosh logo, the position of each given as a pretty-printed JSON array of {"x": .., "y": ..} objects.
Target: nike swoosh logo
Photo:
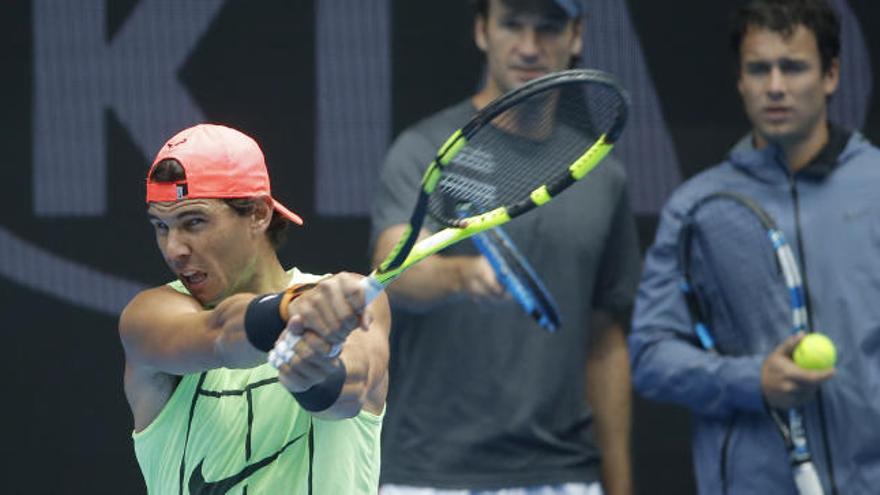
[
  {"x": 198, "y": 485},
  {"x": 854, "y": 214}
]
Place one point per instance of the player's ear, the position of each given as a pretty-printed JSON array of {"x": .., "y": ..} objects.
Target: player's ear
[
  {"x": 577, "y": 40},
  {"x": 480, "y": 32},
  {"x": 831, "y": 77},
  {"x": 262, "y": 214},
  {"x": 740, "y": 84}
]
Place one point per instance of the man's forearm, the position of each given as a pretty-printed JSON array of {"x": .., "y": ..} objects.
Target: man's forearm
[
  {"x": 431, "y": 282},
  {"x": 609, "y": 394},
  {"x": 365, "y": 362},
  {"x": 168, "y": 333}
]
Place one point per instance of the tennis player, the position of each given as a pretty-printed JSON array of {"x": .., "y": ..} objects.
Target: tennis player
[
  {"x": 210, "y": 415},
  {"x": 482, "y": 400},
  {"x": 820, "y": 183}
]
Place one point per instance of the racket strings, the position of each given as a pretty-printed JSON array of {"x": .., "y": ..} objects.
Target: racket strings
[
  {"x": 734, "y": 266},
  {"x": 523, "y": 148}
]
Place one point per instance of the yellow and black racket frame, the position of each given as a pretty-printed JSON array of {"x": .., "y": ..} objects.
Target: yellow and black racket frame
[{"x": 401, "y": 256}]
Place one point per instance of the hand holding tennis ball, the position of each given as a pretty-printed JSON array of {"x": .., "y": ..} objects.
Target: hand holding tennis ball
[{"x": 815, "y": 352}]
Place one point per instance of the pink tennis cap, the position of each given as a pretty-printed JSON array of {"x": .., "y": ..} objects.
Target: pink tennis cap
[{"x": 219, "y": 162}]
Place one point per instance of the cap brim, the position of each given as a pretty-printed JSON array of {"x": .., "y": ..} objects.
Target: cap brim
[{"x": 293, "y": 217}]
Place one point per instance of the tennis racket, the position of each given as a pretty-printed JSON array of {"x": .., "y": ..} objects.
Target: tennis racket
[
  {"x": 514, "y": 155},
  {"x": 737, "y": 267},
  {"x": 518, "y": 277}
]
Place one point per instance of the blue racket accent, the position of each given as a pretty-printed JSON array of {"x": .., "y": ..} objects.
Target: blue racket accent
[
  {"x": 700, "y": 328},
  {"x": 518, "y": 277},
  {"x": 792, "y": 276}
]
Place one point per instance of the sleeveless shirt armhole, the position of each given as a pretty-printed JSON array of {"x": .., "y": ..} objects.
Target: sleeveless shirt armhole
[
  {"x": 184, "y": 388},
  {"x": 369, "y": 417}
]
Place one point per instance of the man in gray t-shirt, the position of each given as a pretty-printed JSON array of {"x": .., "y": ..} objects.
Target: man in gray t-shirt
[{"x": 481, "y": 398}]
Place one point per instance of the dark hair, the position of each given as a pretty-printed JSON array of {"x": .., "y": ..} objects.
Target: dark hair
[
  {"x": 170, "y": 170},
  {"x": 784, "y": 16},
  {"x": 548, "y": 7}
]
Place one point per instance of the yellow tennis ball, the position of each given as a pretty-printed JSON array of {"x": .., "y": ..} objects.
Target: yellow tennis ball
[{"x": 815, "y": 352}]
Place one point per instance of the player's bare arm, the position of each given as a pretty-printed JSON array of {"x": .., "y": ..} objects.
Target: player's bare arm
[
  {"x": 609, "y": 394},
  {"x": 166, "y": 334}
]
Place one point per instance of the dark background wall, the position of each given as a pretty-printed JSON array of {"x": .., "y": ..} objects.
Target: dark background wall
[{"x": 90, "y": 91}]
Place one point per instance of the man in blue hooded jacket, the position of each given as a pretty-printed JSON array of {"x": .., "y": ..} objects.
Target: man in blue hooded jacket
[{"x": 821, "y": 184}]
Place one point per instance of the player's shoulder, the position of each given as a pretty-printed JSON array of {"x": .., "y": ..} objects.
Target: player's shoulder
[
  {"x": 161, "y": 294},
  {"x": 155, "y": 301},
  {"x": 439, "y": 125},
  {"x": 720, "y": 176},
  {"x": 417, "y": 144},
  {"x": 613, "y": 169},
  {"x": 859, "y": 149}
]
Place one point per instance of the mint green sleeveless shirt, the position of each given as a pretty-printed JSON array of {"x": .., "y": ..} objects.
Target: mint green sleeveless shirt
[{"x": 241, "y": 432}]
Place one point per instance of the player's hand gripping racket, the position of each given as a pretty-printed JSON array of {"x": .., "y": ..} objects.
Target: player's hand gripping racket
[
  {"x": 514, "y": 155},
  {"x": 518, "y": 277},
  {"x": 738, "y": 268}
]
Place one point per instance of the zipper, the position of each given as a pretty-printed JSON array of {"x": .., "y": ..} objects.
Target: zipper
[
  {"x": 802, "y": 262},
  {"x": 725, "y": 448}
]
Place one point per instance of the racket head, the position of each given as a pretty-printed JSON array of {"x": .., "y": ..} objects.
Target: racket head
[
  {"x": 518, "y": 277},
  {"x": 731, "y": 266},
  {"x": 565, "y": 123},
  {"x": 520, "y": 149}
]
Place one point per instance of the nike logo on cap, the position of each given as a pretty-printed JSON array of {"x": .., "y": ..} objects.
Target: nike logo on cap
[{"x": 171, "y": 144}]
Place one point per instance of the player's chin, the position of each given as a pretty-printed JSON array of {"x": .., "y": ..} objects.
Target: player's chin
[
  {"x": 777, "y": 132},
  {"x": 514, "y": 77},
  {"x": 208, "y": 296},
  {"x": 521, "y": 77},
  {"x": 208, "y": 301}
]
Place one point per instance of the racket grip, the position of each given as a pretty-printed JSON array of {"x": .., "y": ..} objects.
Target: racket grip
[
  {"x": 807, "y": 479},
  {"x": 372, "y": 289},
  {"x": 283, "y": 350}
]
